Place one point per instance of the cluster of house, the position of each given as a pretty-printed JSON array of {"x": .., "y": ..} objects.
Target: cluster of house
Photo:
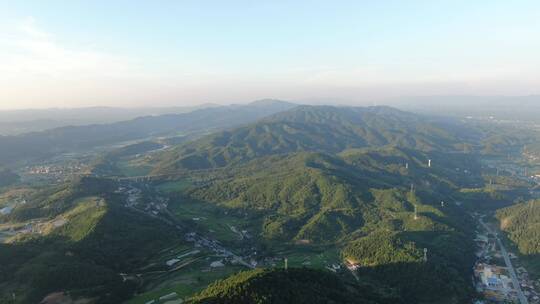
[
  {"x": 134, "y": 198},
  {"x": 494, "y": 283},
  {"x": 133, "y": 195},
  {"x": 536, "y": 177},
  {"x": 57, "y": 172},
  {"x": 531, "y": 156},
  {"x": 528, "y": 285},
  {"x": 242, "y": 234}
]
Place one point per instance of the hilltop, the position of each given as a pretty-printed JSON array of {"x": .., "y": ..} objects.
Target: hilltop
[{"x": 310, "y": 128}]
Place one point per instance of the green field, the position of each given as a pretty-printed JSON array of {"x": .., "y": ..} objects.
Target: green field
[
  {"x": 187, "y": 281},
  {"x": 174, "y": 186},
  {"x": 133, "y": 168},
  {"x": 211, "y": 220},
  {"x": 307, "y": 256}
]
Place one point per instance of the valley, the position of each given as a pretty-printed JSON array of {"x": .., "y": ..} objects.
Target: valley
[
  {"x": 269, "y": 152},
  {"x": 382, "y": 200}
]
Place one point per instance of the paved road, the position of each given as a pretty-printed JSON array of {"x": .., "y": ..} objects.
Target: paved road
[{"x": 513, "y": 276}]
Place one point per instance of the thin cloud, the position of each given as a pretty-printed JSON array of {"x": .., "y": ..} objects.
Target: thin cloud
[{"x": 29, "y": 51}]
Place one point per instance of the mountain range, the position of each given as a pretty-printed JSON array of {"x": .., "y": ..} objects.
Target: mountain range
[
  {"x": 373, "y": 187},
  {"x": 76, "y": 138}
]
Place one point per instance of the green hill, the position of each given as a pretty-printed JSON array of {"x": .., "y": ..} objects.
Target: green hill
[
  {"x": 522, "y": 223},
  {"x": 396, "y": 259},
  {"x": 332, "y": 176},
  {"x": 86, "y": 239},
  {"x": 323, "y": 198},
  {"x": 310, "y": 128},
  {"x": 35, "y": 145},
  {"x": 288, "y": 286},
  {"x": 53, "y": 200},
  {"x": 360, "y": 201}
]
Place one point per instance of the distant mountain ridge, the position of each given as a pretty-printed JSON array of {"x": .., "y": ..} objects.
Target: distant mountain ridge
[
  {"x": 39, "y": 144},
  {"x": 522, "y": 108},
  {"x": 16, "y": 122}
]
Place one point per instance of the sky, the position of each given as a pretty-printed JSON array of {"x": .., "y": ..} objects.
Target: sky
[{"x": 175, "y": 53}]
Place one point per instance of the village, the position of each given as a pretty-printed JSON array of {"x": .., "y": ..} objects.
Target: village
[
  {"x": 498, "y": 276},
  {"x": 55, "y": 172}
]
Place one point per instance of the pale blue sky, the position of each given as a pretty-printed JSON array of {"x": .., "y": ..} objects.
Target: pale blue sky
[{"x": 123, "y": 53}]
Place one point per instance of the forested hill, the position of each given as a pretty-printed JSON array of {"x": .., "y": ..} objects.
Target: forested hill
[
  {"x": 359, "y": 201},
  {"x": 82, "y": 238},
  {"x": 39, "y": 144},
  {"x": 323, "y": 198},
  {"x": 312, "y": 128},
  {"x": 279, "y": 286},
  {"x": 522, "y": 223}
]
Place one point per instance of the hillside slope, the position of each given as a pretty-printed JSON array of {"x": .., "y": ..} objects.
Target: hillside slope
[
  {"x": 83, "y": 239},
  {"x": 522, "y": 223},
  {"x": 311, "y": 128},
  {"x": 39, "y": 144},
  {"x": 360, "y": 202},
  {"x": 279, "y": 286}
]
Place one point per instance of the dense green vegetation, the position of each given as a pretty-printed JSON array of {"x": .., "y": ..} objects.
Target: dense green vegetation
[
  {"x": 522, "y": 223},
  {"x": 349, "y": 184},
  {"x": 49, "y": 142},
  {"x": 54, "y": 200},
  {"x": 288, "y": 286},
  {"x": 321, "y": 198},
  {"x": 343, "y": 176},
  {"x": 310, "y": 128},
  {"x": 361, "y": 199},
  {"x": 396, "y": 259},
  {"x": 84, "y": 254}
]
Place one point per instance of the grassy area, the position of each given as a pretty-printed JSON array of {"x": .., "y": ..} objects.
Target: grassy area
[
  {"x": 308, "y": 256},
  {"x": 213, "y": 221},
  {"x": 130, "y": 168},
  {"x": 174, "y": 186},
  {"x": 187, "y": 281}
]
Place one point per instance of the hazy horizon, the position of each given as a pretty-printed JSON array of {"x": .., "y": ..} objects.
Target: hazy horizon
[
  {"x": 75, "y": 54},
  {"x": 413, "y": 100}
]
